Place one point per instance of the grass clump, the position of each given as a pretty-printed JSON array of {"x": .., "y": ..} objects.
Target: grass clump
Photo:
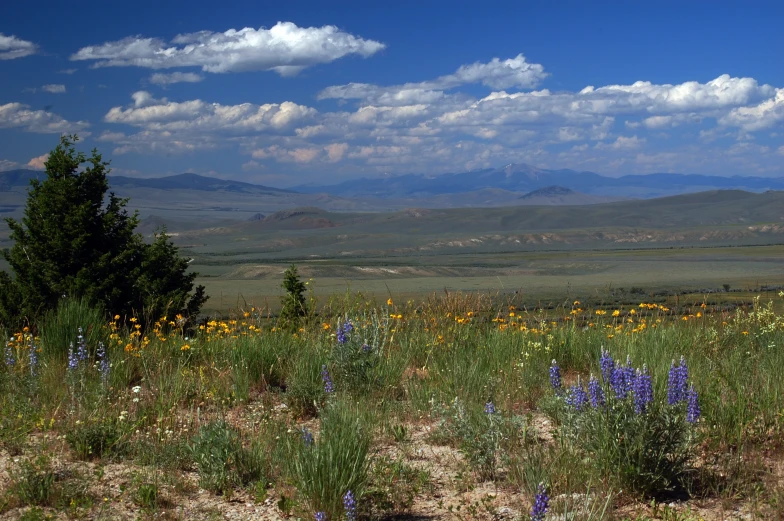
[{"x": 326, "y": 469}]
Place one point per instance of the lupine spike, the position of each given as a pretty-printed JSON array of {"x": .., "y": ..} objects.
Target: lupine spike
[
  {"x": 673, "y": 387},
  {"x": 73, "y": 361},
  {"x": 307, "y": 437},
  {"x": 643, "y": 390},
  {"x": 541, "y": 504},
  {"x": 607, "y": 365},
  {"x": 490, "y": 408},
  {"x": 327, "y": 379},
  {"x": 555, "y": 376},
  {"x": 33, "y": 359},
  {"x": 596, "y": 393},
  {"x": 693, "y": 411},
  {"x": 350, "y": 506}
]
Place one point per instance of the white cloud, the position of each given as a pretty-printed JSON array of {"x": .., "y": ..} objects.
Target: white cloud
[
  {"x": 37, "y": 163},
  {"x": 54, "y": 89},
  {"x": 197, "y": 115},
  {"x": 657, "y": 121},
  {"x": 780, "y": 151},
  {"x": 252, "y": 166},
  {"x": 297, "y": 155},
  {"x": 514, "y": 72},
  {"x": 284, "y": 48},
  {"x": 68, "y": 71},
  {"x": 5, "y": 164},
  {"x": 160, "y": 78},
  {"x": 12, "y": 47},
  {"x": 758, "y": 117},
  {"x": 437, "y": 126},
  {"x": 623, "y": 143},
  {"x": 335, "y": 151},
  {"x": 18, "y": 115}
]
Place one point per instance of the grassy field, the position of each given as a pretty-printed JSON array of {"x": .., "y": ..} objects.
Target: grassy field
[
  {"x": 553, "y": 277},
  {"x": 458, "y": 406}
]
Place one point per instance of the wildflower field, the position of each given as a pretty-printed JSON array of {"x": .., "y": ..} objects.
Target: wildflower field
[{"x": 458, "y": 406}]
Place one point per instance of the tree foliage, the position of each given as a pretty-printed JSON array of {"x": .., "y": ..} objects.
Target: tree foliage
[
  {"x": 75, "y": 240},
  {"x": 294, "y": 304}
]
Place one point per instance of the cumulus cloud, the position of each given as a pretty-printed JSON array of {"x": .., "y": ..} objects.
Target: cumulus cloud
[
  {"x": 160, "y": 78},
  {"x": 284, "y": 48},
  {"x": 297, "y": 155},
  {"x": 758, "y": 117},
  {"x": 335, "y": 151},
  {"x": 12, "y": 47},
  {"x": 438, "y": 125},
  {"x": 200, "y": 116},
  {"x": 5, "y": 164},
  {"x": 37, "y": 163},
  {"x": 20, "y": 116},
  {"x": 498, "y": 74}
]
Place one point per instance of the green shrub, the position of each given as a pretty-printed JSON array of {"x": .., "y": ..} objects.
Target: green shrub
[
  {"x": 325, "y": 469},
  {"x": 223, "y": 462},
  {"x": 481, "y": 436}
]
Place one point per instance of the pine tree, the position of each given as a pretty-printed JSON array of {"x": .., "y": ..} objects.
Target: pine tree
[
  {"x": 75, "y": 241},
  {"x": 294, "y": 304}
]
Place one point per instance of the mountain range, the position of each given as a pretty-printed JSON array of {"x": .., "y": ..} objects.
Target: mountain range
[
  {"x": 511, "y": 185},
  {"x": 524, "y": 179}
]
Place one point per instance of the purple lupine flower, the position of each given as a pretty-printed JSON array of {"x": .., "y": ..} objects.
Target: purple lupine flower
[
  {"x": 555, "y": 376},
  {"x": 350, "y": 506},
  {"x": 9, "y": 357},
  {"x": 643, "y": 390},
  {"x": 577, "y": 397},
  {"x": 307, "y": 437},
  {"x": 33, "y": 359},
  {"x": 541, "y": 504},
  {"x": 595, "y": 393},
  {"x": 321, "y": 516},
  {"x": 692, "y": 405},
  {"x": 618, "y": 382},
  {"x": 73, "y": 361},
  {"x": 607, "y": 365},
  {"x": 366, "y": 348},
  {"x": 341, "y": 335},
  {"x": 81, "y": 347},
  {"x": 327, "y": 379},
  {"x": 103, "y": 362},
  {"x": 629, "y": 375},
  {"x": 677, "y": 382},
  {"x": 348, "y": 327},
  {"x": 490, "y": 408}
]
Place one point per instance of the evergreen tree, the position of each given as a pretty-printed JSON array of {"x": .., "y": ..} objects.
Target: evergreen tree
[
  {"x": 76, "y": 241},
  {"x": 294, "y": 304}
]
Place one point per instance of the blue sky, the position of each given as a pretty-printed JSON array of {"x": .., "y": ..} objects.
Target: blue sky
[{"x": 321, "y": 92}]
